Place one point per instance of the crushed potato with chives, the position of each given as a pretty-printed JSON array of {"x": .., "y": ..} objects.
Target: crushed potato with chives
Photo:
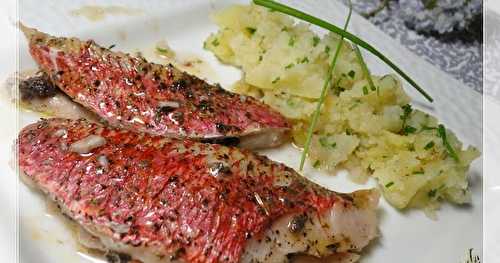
[{"x": 370, "y": 132}]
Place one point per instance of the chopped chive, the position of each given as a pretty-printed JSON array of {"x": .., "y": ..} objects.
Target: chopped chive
[
  {"x": 275, "y": 80},
  {"x": 351, "y": 74},
  {"x": 324, "y": 91},
  {"x": 304, "y": 60},
  {"x": 344, "y": 34},
  {"x": 260, "y": 57},
  {"x": 451, "y": 152},
  {"x": 432, "y": 193},
  {"x": 289, "y": 66},
  {"x": 407, "y": 110},
  {"x": 429, "y": 145},
  {"x": 215, "y": 42},
  {"x": 161, "y": 50},
  {"x": 389, "y": 184},
  {"x": 418, "y": 172},
  {"x": 365, "y": 90},
  {"x": 324, "y": 143},
  {"x": 291, "y": 41},
  {"x": 411, "y": 147},
  {"x": 327, "y": 50},
  {"x": 112, "y": 46},
  {"x": 315, "y": 41},
  {"x": 316, "y": 164},
  {"x": 409, "y": 130},
  {"x": 251, "y": 30}
]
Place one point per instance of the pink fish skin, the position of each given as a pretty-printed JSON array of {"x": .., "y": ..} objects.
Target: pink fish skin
[
  {"x": 168, "y": 200},
  {"x": 129, "y": 92}
]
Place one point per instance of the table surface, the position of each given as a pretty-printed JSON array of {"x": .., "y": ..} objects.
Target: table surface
[{"x": 462, "y": 60}]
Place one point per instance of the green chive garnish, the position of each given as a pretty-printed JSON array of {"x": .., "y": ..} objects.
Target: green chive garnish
[
  {"x": 451, "y": 152},
  {"x": 215, "y": 42},
  {"x": 291, "y": 41},
  {"x": 365, "y": 90},
  {"x": 251, "y": 30},
  {"x": 351, "y": 74},
  {"x": 327, "y": 50},
  {"x": 389, "y": 184},
  {"x": 343, "y": 33},
  {"x": 323, "y": 92},
  {"x": 429, "y": 145},
  {"x": 315, "y": 41},
  {"x": 365, "y": 69},
  {"x": 275, "y": 80}
]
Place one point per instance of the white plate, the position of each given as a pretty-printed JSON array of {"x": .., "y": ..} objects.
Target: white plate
[{"x": 405, "y": 237}]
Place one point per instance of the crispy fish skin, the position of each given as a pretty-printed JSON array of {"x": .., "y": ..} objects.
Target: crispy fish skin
[
  {"x": 129, "y": 92},
  {"x": 163, "y": 199}
]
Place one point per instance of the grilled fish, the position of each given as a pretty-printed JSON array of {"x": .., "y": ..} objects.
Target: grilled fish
[
  {"x": 129, "y": 92},
  {"x": 161, "y": 199}
]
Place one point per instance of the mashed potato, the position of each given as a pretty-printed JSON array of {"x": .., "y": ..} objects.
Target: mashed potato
[{"x": 370, "y": 132}]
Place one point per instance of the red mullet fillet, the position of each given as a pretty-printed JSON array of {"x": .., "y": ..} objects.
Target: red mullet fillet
[
  {"x": 161, "y": 199},
  {"x": 129, "y": 92}
]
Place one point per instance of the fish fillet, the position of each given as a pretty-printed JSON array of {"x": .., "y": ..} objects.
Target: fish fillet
[
  {"x": 129, "y": 92},
  {"x": 161, "y": 199}
]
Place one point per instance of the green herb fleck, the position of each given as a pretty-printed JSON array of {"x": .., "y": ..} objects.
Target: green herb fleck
[
  {"x": 291, "y": 41},
  {"x": 251, "y": 30},
  {"x": 215, "y": 42},
  {"x": 316, "y": 164},
  {"x": 315, "y": 41},
  {"x": 429, "y": 145},
  {"x": 275, "y": 80},
  {"x": 389, "y": 184},
  {"x": 304, "y": 60},
  {"x": 289, "y": 66},
  {"x": 260, "y": 58},
  {"x": 161, "y": 50},
  {"x": 351, "y": 74},
  {"x": 432, "y": 193},
  {"x": 406, "y": 111},
  {"x": 409, "y": 130},
  {"x": 112, "y": 46},
  {"x": 419, "y": 172},
  {"x": 324, "y": 143},
  {"x": 365, "y": 90},
  {"x": 451, "y": 152},
  {"x": 327, "y": 50},
  {"x": 411, "y": 146}
]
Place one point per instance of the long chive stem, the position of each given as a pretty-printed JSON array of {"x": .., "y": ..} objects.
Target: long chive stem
[
  {"x": 364, "y": 67},
  {"x": 322, "y": 97},
  {"x": 356, "y": 40}
]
